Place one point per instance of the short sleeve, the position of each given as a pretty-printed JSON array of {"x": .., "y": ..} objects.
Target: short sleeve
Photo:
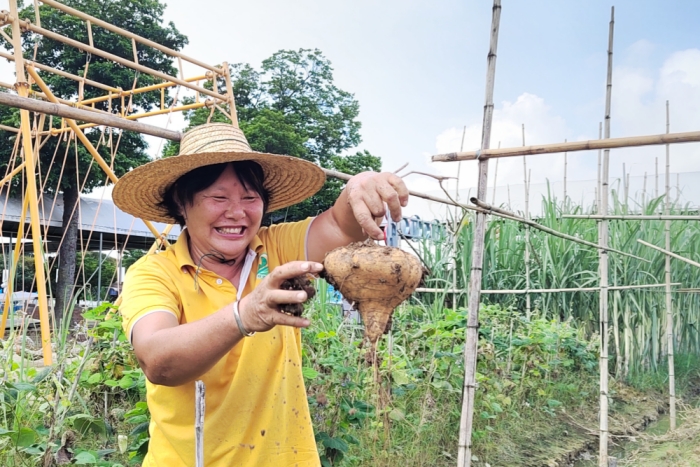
[
  {"x": 289, "y": 240},
  {"x": 148, "y": 288}
]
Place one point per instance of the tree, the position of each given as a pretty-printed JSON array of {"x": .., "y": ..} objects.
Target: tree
[
  {"x": 72, "y": 172},
  {"x": 291, "y": 106}
]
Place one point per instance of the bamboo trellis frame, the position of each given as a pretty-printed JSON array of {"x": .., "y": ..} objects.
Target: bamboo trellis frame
[
  {"x": 83, "y": 110},
  {"x": 604, "y": 143}
]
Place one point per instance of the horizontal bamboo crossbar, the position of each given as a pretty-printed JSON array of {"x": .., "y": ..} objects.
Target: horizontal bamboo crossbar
[
  {"x": 65, "y": 74},
  {"x": 655, "y": 217},
  {"x": 128, "y": 63},
  {"x": 509, "y": 215},
  {"x": 9, "y": 128},
  {"x": 9, "y": 176},
  {"x": 61, "y": 110},
  {"x": 610, "y": 143},
  {"x": 131, "y": 92},
  {"x": 581, "y": 289},
  {"x": 182, "y": 108},
  {"x": 130, "y": 35},
  {"x": 670, "y": 253}
]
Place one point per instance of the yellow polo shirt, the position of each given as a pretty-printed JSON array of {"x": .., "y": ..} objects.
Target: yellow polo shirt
[{"x": 257, "y": 413}]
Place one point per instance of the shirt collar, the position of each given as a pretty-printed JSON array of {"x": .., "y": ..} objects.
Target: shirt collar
[{"x": 181, "y": 250}]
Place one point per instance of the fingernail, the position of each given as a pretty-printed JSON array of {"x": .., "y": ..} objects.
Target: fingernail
[
  {"x": 301, "y": 295},
  {"x": 305, "y": 267},
  {"x": 318, "y": 266}
]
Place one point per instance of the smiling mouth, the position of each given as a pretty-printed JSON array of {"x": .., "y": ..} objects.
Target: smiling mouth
[{"x": 229, "y": 230}]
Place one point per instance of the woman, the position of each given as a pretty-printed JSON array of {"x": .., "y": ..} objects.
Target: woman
[{"x": 208, "y": 307}]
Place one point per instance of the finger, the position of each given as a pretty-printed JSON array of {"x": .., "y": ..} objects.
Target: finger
[
  {"x": 290, "y": 270},
  {"x": 374, "y": 203},
  {"x": 364, "y": 217},
  {"x": 391, "y": 198},
  {"x": 281, "y": 319},
  {"x": 277, "y": 297},
  {"x": 400, "y": 187}
]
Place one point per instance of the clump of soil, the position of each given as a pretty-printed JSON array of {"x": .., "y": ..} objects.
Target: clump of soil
[
  {"x": 303, "y": 282},
  {"x": 377, "y": 278}
]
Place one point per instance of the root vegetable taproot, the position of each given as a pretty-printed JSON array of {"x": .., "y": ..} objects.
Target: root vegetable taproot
[{"x": 376, "y": 278}]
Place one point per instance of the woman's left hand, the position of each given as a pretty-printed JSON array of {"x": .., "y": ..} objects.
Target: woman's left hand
[{"x": 370, "y": 194}]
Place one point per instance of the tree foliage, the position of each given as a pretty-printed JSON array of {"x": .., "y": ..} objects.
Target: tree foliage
[
  {"x": 292, "y": 106},
  {"x": 64, "y": 165}
]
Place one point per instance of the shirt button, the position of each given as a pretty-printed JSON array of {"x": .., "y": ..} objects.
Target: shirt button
[{"x": 219, "y": 281}]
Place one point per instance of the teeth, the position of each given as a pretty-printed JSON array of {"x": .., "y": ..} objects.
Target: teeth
[{"x": 230, "y": 230}]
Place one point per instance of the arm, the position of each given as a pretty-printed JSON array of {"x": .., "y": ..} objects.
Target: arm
[
  {"x": 367, "y": 196},
  {"x": 172, "y": 354}
]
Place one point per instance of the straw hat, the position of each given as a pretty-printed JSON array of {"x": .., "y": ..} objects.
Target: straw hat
[{"x": 289, "y": 180}]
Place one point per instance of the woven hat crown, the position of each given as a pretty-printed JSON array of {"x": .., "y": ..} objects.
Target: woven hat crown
[{"x": 214, "y": 137}]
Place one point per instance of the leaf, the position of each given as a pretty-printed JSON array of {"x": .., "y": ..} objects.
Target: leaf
[
  {"x": 4, "y": 432},
  {"x": 126, "y": 382},
  {"x": 335, "y": 443},
  {"x": 21, "y": 386},
  {"x": 95, "y": 378},
  {"x": 309, "y": 373},
  {"x": 400, "y": 377},
  {"x": 141, "y": 428},
  {"x": 85, "y": 423},
  {"x": 397, "y": 415},
  {"x": 85, "y": 458},
  {"x": 25, "y": 437}
]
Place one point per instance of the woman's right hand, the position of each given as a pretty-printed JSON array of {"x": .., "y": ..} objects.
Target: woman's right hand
[{"x": 260, "y": 310}]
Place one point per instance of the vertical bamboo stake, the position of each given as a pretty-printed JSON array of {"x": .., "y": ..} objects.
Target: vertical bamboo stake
[
  {"x": 603, "y": 255},
  {"x": 464, "y": 456},
  {"x": 600, "y": 173},
  {"x": 457, "y": 227},
  {"x": 644, "y": 191},
  {"x": 669, "y": 302},
  {"x": 656, "y": 177},
  {"x": 23, "y": 91},
  {"x": 528, "y": 309},
  {"x": 566, "y": 164},
  {"x": 199, "y": 409},
  {"x": 495, "y": 183}
]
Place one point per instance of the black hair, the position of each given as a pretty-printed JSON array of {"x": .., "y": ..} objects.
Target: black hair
[{"x": 183, "y": 191}]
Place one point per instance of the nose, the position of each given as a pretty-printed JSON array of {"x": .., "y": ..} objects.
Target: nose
[{"x": 235, "y": 210}]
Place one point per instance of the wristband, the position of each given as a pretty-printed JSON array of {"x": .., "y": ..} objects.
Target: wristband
[{"x": 239, "y": 322}]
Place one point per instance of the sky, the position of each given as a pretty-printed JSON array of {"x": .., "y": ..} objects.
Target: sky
[{"x": 418, "y": 70}]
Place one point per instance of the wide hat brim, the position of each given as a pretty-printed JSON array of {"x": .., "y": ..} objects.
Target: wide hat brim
[{"x": 289, "y": 180}]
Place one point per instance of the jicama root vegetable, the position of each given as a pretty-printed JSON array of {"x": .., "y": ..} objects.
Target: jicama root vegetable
[
  {"x": 302, "y": 282},
  {"x": 377, "y": 278}
]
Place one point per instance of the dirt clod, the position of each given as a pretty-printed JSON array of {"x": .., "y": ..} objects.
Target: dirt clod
[{"x": 302, "y": 282}]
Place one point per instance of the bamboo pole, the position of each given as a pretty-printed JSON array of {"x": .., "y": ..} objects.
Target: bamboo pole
[
  {"x": 509, "y": 215},
  {"x": 573, "y": 146},
  {"x": 86, "y": 142},
  {"x": 9, "y": 128},
  {"x": 61, "y": 110},
  {"x": 600, "y": 166},
  {"x": 122, "y": 61},
  {"x": 632, "y": 217},
  {"x": 229, "y": 94},
  {"x": 130, "y": 35},
  {"x": 603, "y": 254},
  {"x": 141, "y": 90},
  {"x": 670, "y": 253},
  {"x": 669, "y": 302},
  {"x": 566, "y": 166},
  {"x": 656, "y": 177},
  {"x": 526, "y": 184},
  {"x": 464, "y": 455},
  {"x": 570, "y": 289},
  {"x": 200, "y": 408},
  {"x": 132, "y": 117},
  {"x": 13, "y": 266},
  {"x": 25, "y": 126},
  {"x": 65, "y": 74},
  {"x": 455, "y": 236},
  {"x": 14, "y": 172}
]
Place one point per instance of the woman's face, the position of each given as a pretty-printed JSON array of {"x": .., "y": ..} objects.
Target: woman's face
[{"x": 223, "y": 218}]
